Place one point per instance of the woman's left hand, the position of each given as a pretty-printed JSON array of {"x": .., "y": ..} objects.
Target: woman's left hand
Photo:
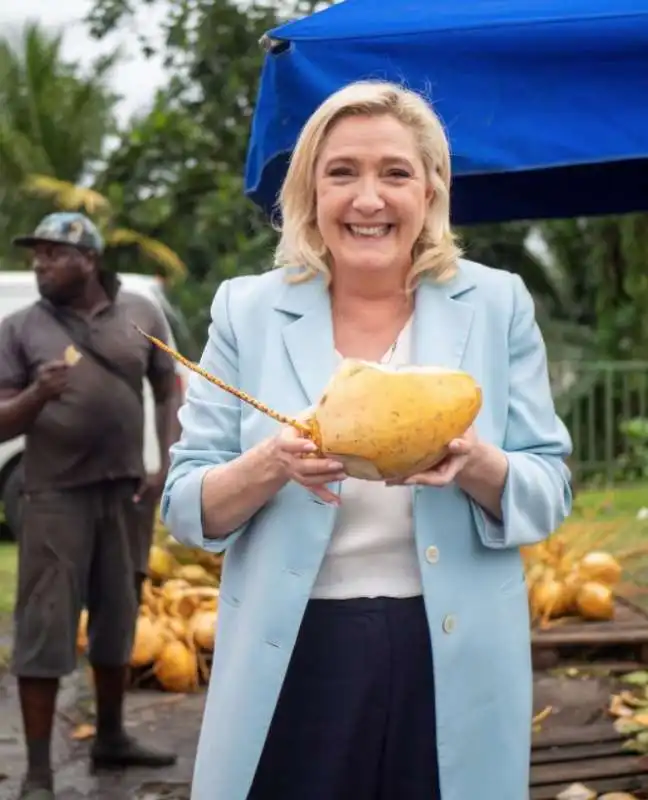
[{"x": 460, "y": 452}]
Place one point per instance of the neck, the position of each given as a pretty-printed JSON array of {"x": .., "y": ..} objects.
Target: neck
[
  {"x": 349, "y": 289},
  {"x": 91, "y": 297}
]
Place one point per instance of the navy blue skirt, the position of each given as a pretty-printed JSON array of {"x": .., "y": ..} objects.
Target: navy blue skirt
[{"x": 355, "y": 718}]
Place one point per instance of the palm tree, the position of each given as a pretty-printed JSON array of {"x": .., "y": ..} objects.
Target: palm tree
[
  {"x": 54, "y": 121},
  {"x": 70, "y": 197}
]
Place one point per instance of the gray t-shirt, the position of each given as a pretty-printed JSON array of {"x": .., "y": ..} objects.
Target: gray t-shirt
[{"x": 94, "y": 431}]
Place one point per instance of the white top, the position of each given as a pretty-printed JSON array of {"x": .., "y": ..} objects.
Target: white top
[{"x": 372, "y": 552}]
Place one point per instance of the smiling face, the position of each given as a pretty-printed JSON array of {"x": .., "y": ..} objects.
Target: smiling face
[{"x": 372, "y": 194}]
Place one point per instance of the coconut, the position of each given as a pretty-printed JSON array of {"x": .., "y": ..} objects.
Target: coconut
[
  {"x": 617, "y": 796},
  {"x": 600, "y": 567},
  {"x": 386, "y": 423},
  {"x": 176, "y": 668},
  {"x": 381, "y": 422},
  {"x": 203, "y": 628},
  {"x": 549, "y": 598},
  {"x": 170, "y": 592},
  {"x": 195, "y": 575},
  {"x": 148, "y": 642},
  {"x": 161, "y": 564},
  {"x": 595, "y": 601},
  {"x": 177, "y": 627},
  {"x": 572, "y": 582},
  {"x": 183, "y": 606}
]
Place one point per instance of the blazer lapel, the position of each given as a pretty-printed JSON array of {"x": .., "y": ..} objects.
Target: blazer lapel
[
  {"x": 308, "y": 335},
  {"x": 441, "y": 328},
  {"x": 442, "y": 322}
]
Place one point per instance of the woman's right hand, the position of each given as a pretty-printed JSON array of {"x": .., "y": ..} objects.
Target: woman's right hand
[{"x": 294, "y": 457}]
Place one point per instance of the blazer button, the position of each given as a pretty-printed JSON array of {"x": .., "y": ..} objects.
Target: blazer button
[
  {"x": 432, "y": 554},
  {"x": 449, "y": 624}
]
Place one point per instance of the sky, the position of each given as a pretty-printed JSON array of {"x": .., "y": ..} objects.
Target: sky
[{"x": 135, "y": 78}]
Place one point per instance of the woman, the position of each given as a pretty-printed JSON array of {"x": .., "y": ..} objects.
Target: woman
[{"x": 338, "y": 594}]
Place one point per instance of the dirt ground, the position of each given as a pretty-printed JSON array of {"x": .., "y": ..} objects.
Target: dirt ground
[
  {"x": 581, "y": 699},
  {"x": 173, "y": 722},
  {"x": 162, "y": 720}
]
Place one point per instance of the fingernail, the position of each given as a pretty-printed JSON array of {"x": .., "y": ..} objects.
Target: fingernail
[{"x": 309, "y": 447}]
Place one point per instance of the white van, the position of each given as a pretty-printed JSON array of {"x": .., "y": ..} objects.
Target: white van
[{"x": 17, "y": 290}]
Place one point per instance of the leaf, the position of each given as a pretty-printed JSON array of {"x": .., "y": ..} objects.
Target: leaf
[
  {"x": 83, "y": 732},
  {"x": 638, "y": 744},
  {"x": 156, "y": 251},
  {"x": 66, "y": 195},
  {"x": 627, "y": 726},
  {"x": 637, "y": 678}
]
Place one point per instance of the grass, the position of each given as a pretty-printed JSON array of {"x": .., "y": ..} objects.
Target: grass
[
  {"x": 8, "y": 564},
  {"x": 620, "y": 501},
  {"x": 8, "y": 569},
  {"x": 609, "y": 520}
]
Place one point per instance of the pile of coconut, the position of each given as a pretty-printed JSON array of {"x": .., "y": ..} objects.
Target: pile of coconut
[
  {"x": 176, "y": 625},
  {"x": 566, "y": 579}
]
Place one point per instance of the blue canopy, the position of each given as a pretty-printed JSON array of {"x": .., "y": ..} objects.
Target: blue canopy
[{"x": 545, "y": 101}]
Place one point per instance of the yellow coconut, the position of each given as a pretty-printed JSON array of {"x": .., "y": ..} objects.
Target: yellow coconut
[
  {"x": 161, "y": 564},
  {"x": 148, "y": 642},
  {"x": 183, "y": 606},
  {"x": 176, "y": 668},
  {"x": 203, "y": 628},
  {"x": 572, "y": 583},
  {"x": 600, "y": 567},
  {"x": 549, "y": 598},
  {"x": 195, "y": 575},
  {"x": 595, "y": 601},
  {"x": 381, "y": 422},
  {"x": 618, "y": 796},
  {"x": 170, "y": 592},
  {"x": 177, "y": 626}
]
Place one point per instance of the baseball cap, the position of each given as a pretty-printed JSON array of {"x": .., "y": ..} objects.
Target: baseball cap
[{"x": 64, "y": 227}]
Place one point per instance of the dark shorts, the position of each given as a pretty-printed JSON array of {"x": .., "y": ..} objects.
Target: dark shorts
[
  {"x": 77, "y": 547},
  {"x": 356, "y": 714},
  {"x": 143, "y": 520}
]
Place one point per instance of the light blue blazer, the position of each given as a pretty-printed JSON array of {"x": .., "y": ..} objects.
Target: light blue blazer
[{"x": 274, "y": 340}]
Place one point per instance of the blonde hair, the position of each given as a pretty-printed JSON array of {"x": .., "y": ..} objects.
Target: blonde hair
[{"x": 301, "y": 247}]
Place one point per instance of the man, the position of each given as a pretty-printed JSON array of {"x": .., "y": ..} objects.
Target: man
[{"x": 71, "y": 373}]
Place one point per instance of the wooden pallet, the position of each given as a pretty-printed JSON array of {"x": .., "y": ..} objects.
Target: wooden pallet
[
  {"x": 591, "y": 755},
  {"x": 622, "y": 641}
]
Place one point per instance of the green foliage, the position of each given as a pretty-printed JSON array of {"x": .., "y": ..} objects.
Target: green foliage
[
  {"x": 603, "y": 261},
  {"x": 8, "y": 577},
  {"x": 633, "y": 463},
  {"x": 54, "y": 120},
  {"x": 178, "y": 170}
]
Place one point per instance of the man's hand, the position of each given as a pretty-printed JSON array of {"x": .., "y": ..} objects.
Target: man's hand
[
  {"x": 150, "y": 488},
  {"x": 51, "y": 379}
]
